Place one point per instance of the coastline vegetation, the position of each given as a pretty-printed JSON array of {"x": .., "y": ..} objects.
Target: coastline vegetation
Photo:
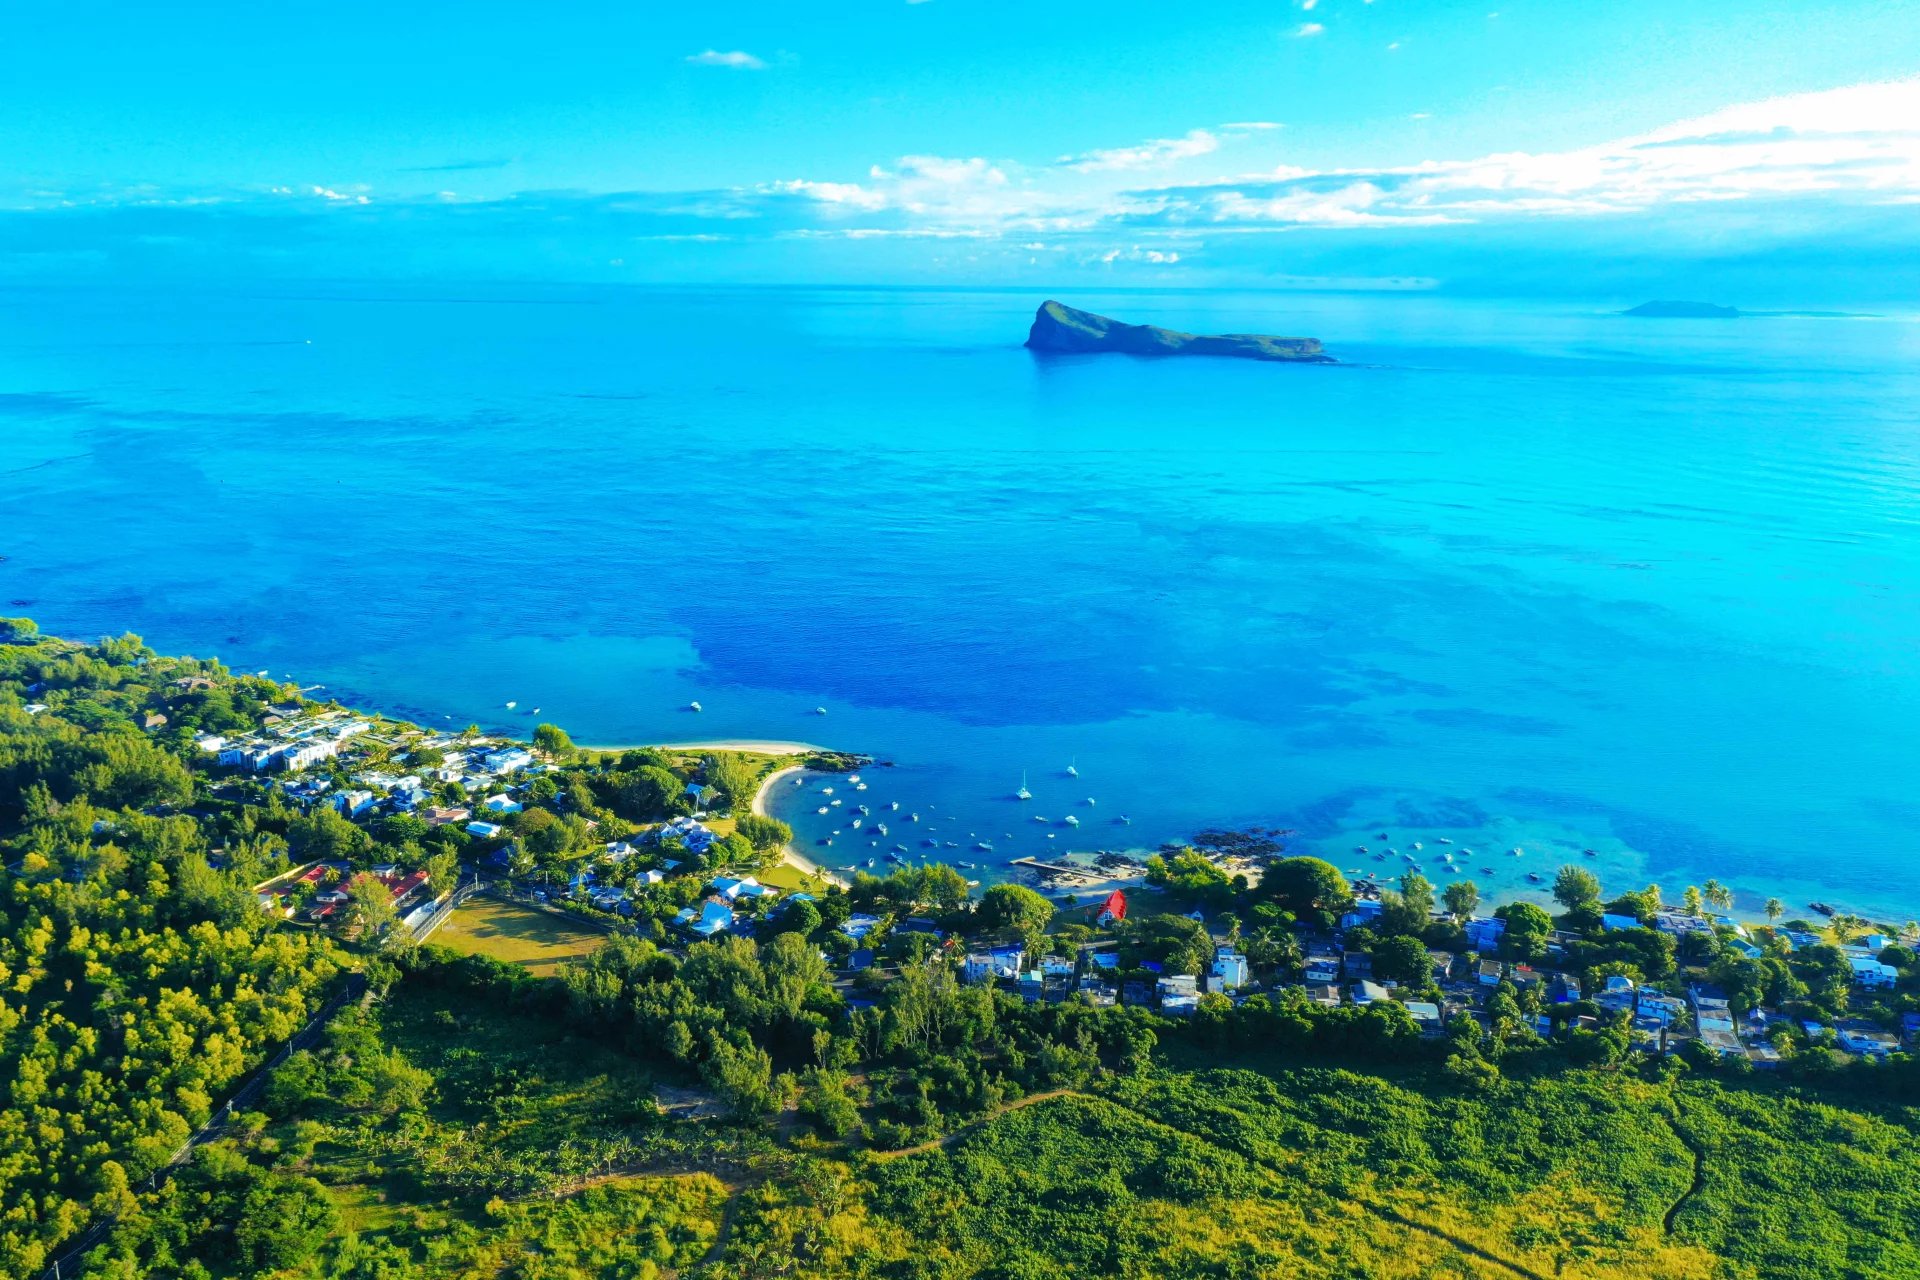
[{"x": 802, "y": 1101}]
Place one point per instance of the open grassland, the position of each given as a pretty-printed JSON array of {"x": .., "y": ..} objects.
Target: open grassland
[{"x": 516, "y": 934}]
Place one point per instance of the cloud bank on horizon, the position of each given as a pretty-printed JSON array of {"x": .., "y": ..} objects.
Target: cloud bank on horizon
[{"x": 1783, "y": 181}]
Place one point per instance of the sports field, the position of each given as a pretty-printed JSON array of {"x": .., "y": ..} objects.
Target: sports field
[{"x": 521, "y": 935}]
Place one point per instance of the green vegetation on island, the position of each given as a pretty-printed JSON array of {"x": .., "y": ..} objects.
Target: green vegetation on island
[{"x": 1061, "y": 329}]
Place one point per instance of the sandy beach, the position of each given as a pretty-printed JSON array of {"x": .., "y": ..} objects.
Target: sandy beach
[{"x": 791, "y": 856}]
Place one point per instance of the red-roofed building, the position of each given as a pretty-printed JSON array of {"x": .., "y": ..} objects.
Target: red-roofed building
[{"x": 1114, "y": 908}]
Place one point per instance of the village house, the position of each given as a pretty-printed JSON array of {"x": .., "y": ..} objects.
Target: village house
[
  {"x": 745, "y": 887},
  {"x": 1485, "y": 932},
  {"x": 1322, "y": 966},
  {"x": 711, "y": 917},
  {"x": 1426, "y": 1016},
  {"x": 1229, "y": 971}
]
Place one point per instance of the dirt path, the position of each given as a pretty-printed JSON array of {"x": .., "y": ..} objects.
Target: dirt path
[
  {"x": 1394, "y": 1216},
  {"x": 941, "y": 1143},
  {"x": 1699, "y": 1172}
]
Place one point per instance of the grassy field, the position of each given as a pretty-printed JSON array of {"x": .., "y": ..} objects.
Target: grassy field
[{"x": 517, "y": 934}]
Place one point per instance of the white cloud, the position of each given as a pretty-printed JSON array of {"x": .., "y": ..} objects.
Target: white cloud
[
  {"x": 1308, "y": 29},
  {"x": 1861, "y": 143},
  {"x": 1148, "y": 155},
  {"x": 736, "y": 59},
  {"x": 847, "y": 193}
]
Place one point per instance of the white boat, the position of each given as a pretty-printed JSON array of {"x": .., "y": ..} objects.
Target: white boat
[
  {"x": 1038, "y": 818},
  {"x": 853, "y": 777},
  {"x": 826, "y": 791},
  {"x": 1073, "y": 769},
  {"x": 819, "y": 711},
  {"x": 691, "y": 706},
  {"x": 1517, "y": 851},
  {"x": 895, "y": 806},
  {"x": 1441, "y": 840},
  {"x": 821, "y": 809},
  {"x": 913, "y": 817},
  {"x": 835, "y": 803},
  {"x": 510, "y": 705},
  {"x": 1072, "y": 821},
  {"x": 1417, "y": 844},
  {"x": 859, "y": 786},
  {"x": 1091, "y": 800}
]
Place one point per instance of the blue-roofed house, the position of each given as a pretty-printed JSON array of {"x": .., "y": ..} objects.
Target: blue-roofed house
[
  {"x": 1485, "y": 932},
  {"x": 711, "y": 917}
]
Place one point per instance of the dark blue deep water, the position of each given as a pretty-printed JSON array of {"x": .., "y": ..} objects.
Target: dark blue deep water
[{"x": 1519, "y": 575}]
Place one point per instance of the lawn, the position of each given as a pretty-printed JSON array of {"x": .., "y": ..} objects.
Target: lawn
[{"x": 517, "y": 934}]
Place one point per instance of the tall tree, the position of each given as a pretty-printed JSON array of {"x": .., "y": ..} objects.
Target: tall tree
[
  {"x": 1576, "y": 887},
  {"x": 1461, "y": 897}
]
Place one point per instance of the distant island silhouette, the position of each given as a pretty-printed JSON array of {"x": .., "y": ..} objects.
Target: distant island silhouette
[
  {"x": 1061, "y": 329},
  {"x": 1682, "y": 311}
]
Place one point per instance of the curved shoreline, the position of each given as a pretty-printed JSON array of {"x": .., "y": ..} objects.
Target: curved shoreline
[{"x": 788, "y": 854}]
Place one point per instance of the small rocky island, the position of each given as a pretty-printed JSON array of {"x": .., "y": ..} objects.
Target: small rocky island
[
  {"x": 1682, "y": 311},
  {"x": 1062, "y": 329}
]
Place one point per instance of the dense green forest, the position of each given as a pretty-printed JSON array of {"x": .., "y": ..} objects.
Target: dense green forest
[{"x": 744, "y": 1107}]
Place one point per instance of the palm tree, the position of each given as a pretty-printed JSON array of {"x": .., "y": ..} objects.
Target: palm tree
[
  {"x": 1719, "y": 895},
  {"x": 1775, "y": 909}
]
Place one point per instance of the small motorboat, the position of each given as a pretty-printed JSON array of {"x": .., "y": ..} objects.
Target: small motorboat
[
  {"x": 819, "y": 711},
  {"x": 1072, "y": 821},
  {"x": 510, "y": 705},
  {"x": 1441, "y": 840},
  {"x": 1418, "y": 845},
  {"x": 913, "y": 817},
  {"x": 895, "y": 806},
  {"x": 821, "y": 809},
  {"x": 1073, "y": 769},
  {"x": 1091, "y": 801},
  {"x": 691, "y": 706}
]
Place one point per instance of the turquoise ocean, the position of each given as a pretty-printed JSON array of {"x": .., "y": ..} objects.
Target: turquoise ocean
[{"x": 1516, "y": 574}]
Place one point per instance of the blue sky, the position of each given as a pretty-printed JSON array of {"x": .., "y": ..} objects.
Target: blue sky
[{"x": 1391, "y": 143}]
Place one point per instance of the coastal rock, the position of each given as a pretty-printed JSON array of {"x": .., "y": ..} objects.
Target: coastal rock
[
  {"x": 1068, "y": 330},
  {"x": 1682, "y": 311}
]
